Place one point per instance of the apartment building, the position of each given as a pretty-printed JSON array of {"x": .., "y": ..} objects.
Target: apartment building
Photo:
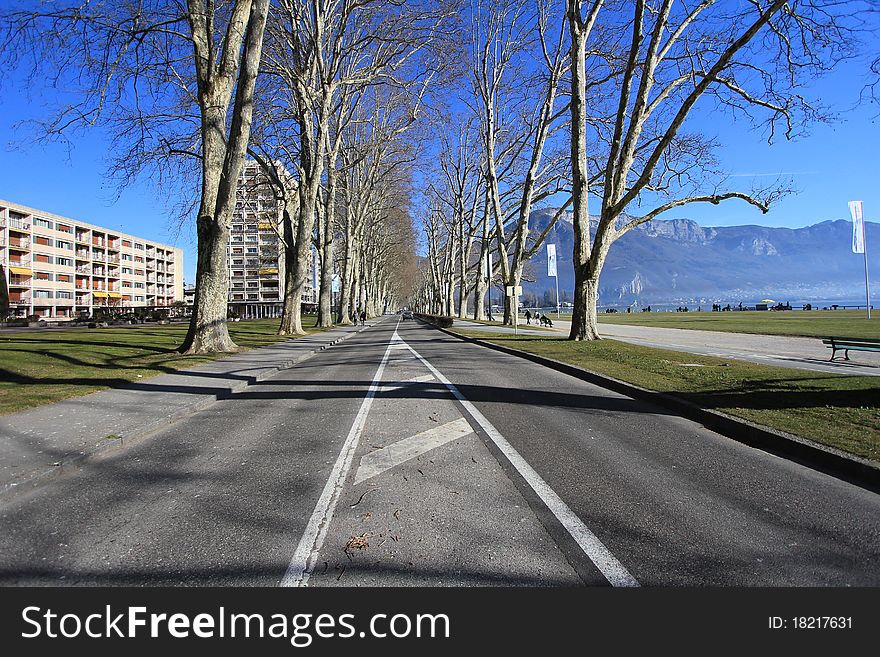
[
  {"x": 255, "y": 254},
  {"x": 62, "y": 268}
]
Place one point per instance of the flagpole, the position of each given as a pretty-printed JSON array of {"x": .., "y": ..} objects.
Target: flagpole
[
  {"x": 867, "y": 286},
  {"x": 557, "y": 296},
  {"x": 860, "y": 245}
]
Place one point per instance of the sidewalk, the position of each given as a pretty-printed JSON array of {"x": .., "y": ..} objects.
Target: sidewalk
[
  {"x": 776, "y": 350},
  {"x": 38, "y": 443}
]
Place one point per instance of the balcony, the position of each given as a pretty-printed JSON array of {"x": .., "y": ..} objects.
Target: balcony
[
  {"x": 19, "y": 243},
  {"x": 97, "y": 241},
  {"x": 83, "y": 255},
  {"x": 82, "y": 237},
  {"x": 18, "y": 281},
  {"x": 18, "y": 224},
  {"x": 83, "y": 300},
  {"x": 112, "y": 259},
  {"x": 84, "y": 269}
]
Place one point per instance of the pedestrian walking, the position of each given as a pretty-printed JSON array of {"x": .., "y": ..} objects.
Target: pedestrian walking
[
  {"x": 363, "y": 318},
  {"x": 528, "y": 317}
]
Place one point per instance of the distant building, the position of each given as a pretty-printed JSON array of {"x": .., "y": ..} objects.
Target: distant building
[
  {"x": 61, "y": 268},
  {"x": 255, "y": 254}
]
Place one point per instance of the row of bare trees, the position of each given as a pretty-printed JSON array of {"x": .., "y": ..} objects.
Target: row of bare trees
[
  {"x": 555, "y": 103},
  {"x": 321, "y": 93},
  {"x": 573, "y": 102}
]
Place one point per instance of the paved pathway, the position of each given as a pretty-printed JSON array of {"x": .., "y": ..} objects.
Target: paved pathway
[
  {"x": 782, "y": 351},
  {"x": 42, "y": 441}
]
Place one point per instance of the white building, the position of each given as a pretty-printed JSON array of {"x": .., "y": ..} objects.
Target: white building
[
  {"x": 255, "y": 254},
  {"x": 61, "y": 268}
]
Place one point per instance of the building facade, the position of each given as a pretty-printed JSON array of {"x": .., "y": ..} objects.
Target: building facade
[
  {"x": 255, "y": 253},
  {"x": 61, "y": 268}
]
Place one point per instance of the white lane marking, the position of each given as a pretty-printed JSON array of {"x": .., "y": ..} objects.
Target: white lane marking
[
  {"x": 399, "y": 385},
  {"x": 316, "y": 530},
  {"x": 607, "y": 563},
  {"x": 382, "y": 460}
]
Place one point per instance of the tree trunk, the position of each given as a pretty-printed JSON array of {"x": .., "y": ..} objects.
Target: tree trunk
[
  {"x": 583, "y": 318},
  {"x": 326, "y": 234},
  {"x": 222, "y": 157},
  {"x": 207, "y": 331}
]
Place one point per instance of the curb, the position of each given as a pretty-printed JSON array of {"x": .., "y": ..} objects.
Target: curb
[
  {"x": 839, "y": 464},
  {"x": 77, "y": 460}
]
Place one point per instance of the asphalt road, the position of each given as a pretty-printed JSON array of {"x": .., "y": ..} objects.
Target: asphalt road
[{"x": 404, "y": 456}]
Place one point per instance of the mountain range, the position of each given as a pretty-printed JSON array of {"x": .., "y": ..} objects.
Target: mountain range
[{"x": 678, "y": 261}]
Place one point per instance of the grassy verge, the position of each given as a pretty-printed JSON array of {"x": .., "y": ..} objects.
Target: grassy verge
[
  {"x": 834, "y": 410},
  {"x": 522, "y": 324},
  {"x": 40, "y": 367},
  {"x": 809, "y": 323}
]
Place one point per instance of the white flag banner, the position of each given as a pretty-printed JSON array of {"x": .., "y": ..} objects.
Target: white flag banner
[
  {"x": 551, "y": 260},
  {"x": 858, "y": 239}
]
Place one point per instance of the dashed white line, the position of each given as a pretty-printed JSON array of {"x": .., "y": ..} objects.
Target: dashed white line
[{"x": 316, "y": 529}]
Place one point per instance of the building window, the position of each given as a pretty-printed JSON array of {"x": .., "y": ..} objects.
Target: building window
[
  {"x": 66, "y": 262},
  {"x": 138, "y": 298},
  {"x": 64, "y": 295},
  {"x": 43, "y": 276},
  {"x": 61, "y": 244},
  {"x": 139, "y": 286},
  {"x": 126, "y": 243},
  {"x": 44, "y": 223},
  {"x": 63, "y": 278},
  {"x": 62, "y": 228},
  {"x": 138, "y": 247},
  {"x": 42, "y": 294},
  {"x": 126, "y": 270},
  {"x": 126, "y": 256},
  {"x": 43, "y": 258},
  {"x": 42, "y": 241}
]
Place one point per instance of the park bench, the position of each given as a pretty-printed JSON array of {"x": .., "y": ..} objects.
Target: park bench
[{"x": 851, "y": 344}]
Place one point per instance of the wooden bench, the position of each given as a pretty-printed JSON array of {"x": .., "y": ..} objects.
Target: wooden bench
[{"x": 851, "y": 344}]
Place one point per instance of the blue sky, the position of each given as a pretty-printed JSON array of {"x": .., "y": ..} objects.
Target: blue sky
[{"x": 835, "y": 164}]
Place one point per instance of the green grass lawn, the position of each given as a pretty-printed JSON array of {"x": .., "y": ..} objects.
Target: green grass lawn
[
  {"x": 808, "y": 323},
  {"x": 40, "y": 367},
  {"x": 835, "y": 410}
]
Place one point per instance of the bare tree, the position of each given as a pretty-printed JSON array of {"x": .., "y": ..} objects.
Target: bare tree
[
  {"x": 750, "y": 58},
  {"x": 519, "y": 61},
  {"x": 169, "y": 79},
  {"x": 318, "y": 52},
  {"x": 374, "y": 155}
]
